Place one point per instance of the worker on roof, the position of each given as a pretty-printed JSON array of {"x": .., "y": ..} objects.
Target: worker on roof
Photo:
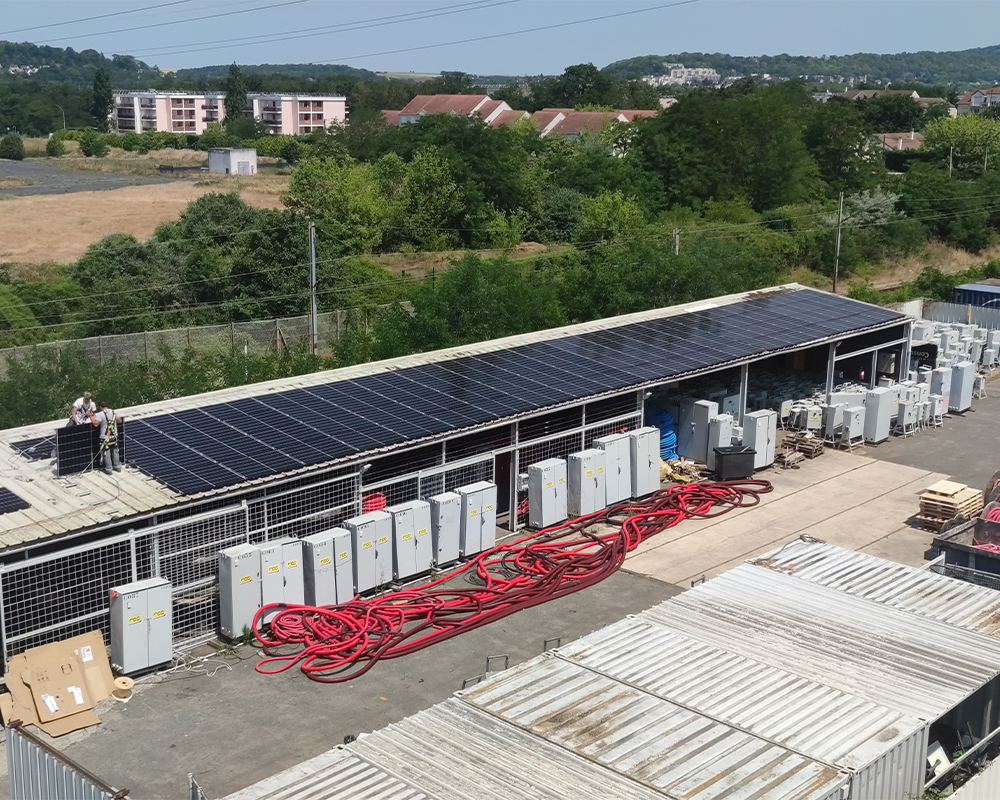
[
  {"x": 83, "y": 411},
  {"x": 107, "y": 420}
]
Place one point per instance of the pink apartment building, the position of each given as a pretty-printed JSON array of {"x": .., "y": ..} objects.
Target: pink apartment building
[{"x": 182, "y": 112}]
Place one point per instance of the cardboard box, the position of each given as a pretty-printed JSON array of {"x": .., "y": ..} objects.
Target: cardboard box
[{"x": 54, "y": 686}]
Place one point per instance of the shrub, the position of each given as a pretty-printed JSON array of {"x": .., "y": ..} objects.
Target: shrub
[
  {"x": 54, "y": 147},
  {"x": 131, "y": 141},
  {"x": 293, "y": 151},
  {"x": 12, "y": 147},
  {"x": 92, "y": 143}
]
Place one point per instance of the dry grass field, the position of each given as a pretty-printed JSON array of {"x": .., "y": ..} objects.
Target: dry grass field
[{"x": 59, "y": 227}]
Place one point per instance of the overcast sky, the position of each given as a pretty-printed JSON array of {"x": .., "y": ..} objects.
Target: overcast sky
[{"x": 275, "y": 31}]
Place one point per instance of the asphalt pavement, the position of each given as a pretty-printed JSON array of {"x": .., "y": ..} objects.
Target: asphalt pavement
[{"x": 48, "y": 178}]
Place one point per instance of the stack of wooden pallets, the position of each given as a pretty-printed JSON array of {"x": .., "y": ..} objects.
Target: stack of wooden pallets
[
  {"x": 810, "y": 446},
  {"x": 945, "y": 500}
]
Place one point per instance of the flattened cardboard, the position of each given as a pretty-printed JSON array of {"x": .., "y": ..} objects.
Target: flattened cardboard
[
  {"x": 73, "y": 722},
  {"x": 58, "y": 687}
]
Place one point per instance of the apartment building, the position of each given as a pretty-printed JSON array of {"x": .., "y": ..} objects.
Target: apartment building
[{"x": 188, "y": 112}]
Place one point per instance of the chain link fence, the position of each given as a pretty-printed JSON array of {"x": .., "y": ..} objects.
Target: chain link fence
[{"x": 257, "y": 338}]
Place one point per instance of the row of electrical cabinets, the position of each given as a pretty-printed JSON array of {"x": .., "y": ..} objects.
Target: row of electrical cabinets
[
  {"x": 618, "y": 467},
  {"x": 369, "y": 551}
]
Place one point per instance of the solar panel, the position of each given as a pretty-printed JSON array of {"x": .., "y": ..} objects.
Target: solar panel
[
  {"x": 78, "y": 448},
  {"x": 11, "y": 502},
  {"x": 36, "y": 449},
  {"x": 228, "y": 443}
]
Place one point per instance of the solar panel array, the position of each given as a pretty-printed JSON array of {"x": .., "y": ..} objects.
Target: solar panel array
[
  {"x": 228, "y": 443},
  {"x": 36, "y": 449},
  {"x": 11, "y": 502}
]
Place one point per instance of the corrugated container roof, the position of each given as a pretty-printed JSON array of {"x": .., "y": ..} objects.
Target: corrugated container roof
[
  {"x": 680, "y": 752},
  {"x": 913, "y": 664},
  {"x": 918, "y": 591},
  {"x": 811, "y": 718},
  {"x": 991, "y": 288}
]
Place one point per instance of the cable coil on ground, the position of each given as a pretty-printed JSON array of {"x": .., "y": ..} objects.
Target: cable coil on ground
[{"x": 333, "y": 644}]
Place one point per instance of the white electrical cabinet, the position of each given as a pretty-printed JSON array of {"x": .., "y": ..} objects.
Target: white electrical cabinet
[
  {"x": 371, "y": 539},
  {"x": 720, "y": 434},
  {"x": 343, "y": 564},
  {"x": 411, "y": 530},
  {"x": 479, "y": 517},
  {"x": 281, "y": 579},
  {"x": 880, "y": 411},
  {"x": 963, "y": 376},
  {"x": 546, "y": 493},
  {"x": 941, "y": 383},
  {"x": 319, "y": 573},
  {"x": 585, "y": 475},
  {"x": 141, "y": 625},
  {"x": 701, "y": 415},
  {"x": 644, "y": 447},
  {"x": 813, "y": 418},
  {"x": 239, "y": 589},
  {"x": 446, "y": 526},
  {"x": 989, "y": 356},
  {"x": 617, "y": 467},
  {"x": 833, "y": 420},
  {"x": 760, "y": 429},
  {"x": 854, "y": 423},
  {"x": 993, "y": 340}
]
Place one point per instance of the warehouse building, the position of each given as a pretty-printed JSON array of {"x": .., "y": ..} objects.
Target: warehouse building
[
  {"x": 297, "y": 456},
  {"x": 811, "y": 673}
]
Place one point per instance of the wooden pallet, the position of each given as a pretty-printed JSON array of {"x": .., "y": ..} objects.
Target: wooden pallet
[
  {"x": 967, "y": 501},
  {"x": 788, "y": 457},
  {"x": 809, "y": 446},
  {"x": 931, "y": 523}
]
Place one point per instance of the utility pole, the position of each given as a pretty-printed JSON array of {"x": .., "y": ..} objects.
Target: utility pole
[
  {"x": 951, "y": 157},
  {"x": 986, "y": 156},
  {"x": 677, "y": 241},
  {"x": 836, "y": 256},
  {"x": 313, "y": 320}
]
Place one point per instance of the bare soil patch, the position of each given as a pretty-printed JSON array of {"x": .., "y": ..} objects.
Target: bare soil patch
[{"x": 60, "y": 227}]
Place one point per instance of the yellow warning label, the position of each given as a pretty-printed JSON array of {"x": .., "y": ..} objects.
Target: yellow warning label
[
  {"x": 245, "y": 579},
  {"x": 548, "y": 484},
  {"x": 407, "y": 536},
  {"x": 366, "y": 545},
  {"x": 562, "y": 480},
  {"x": 489, "y": 507},
  {"x": 324, "y": 561},
  {"x": 134, "y": 620},
  {"x": 161, "y": 613},
  {"x": 383, "y": 539},
  {"x": 342, "y": 555},
  {"x": 422, "y": 531},
  {"x": 600, "y": 469},
  {"x": 473, "y": 512},
  {"x": 275, "y": 568},
  {"x": 590, "y": 472},
  {"x": 293, "y": 563}
]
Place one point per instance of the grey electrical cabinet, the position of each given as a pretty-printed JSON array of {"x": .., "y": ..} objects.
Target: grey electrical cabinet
[
  {"x": 319, "y": 573},
  {"x": 854, "y": 423},
  {"x": 941, "y": 384},
  {"x": 833, "y": 420},
  {"x": 760, "y": 429},
  {"x": 880, "y": 411},
  {"x": 478, "y": 531},
  {"x": 701, "y": 415},
  {"x": 141, "y": 625},
  {"x": 371, "y": 536},
  {"x": 720, "y": 434},
  {"x": 644, "y": 453},
  {"x": 585, "y": 478},
  {"x": 411, "y": 529},
  {"x": 239, "y": 589},
  {"x": 617, "y": 467},
  {"x": 446, "y": 526},
  {"x": 546, "y": 493},
  {"x": 963, "y": 376},
  {"x": 343, "y": 564}
]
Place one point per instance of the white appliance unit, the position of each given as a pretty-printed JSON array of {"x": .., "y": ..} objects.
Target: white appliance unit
[
  {"x": 585, "y": 478},
  {"x": 760, "y": 429},
  {"x": 546, "y": 493},
  {"x": 617, "y": 467}
]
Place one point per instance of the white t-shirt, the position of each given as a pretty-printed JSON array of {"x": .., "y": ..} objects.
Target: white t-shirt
[{"x": 80, "y": 409}]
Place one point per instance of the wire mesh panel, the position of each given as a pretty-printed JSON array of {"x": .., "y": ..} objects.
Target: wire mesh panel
[
  {"x": 533, "y": 452},
  {"x": 448, "y": 479},
  {"x": 304, "y": 511},
  {"x": 607, "y": 428}
]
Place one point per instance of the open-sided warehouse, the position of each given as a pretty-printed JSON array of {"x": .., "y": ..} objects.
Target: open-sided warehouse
[
  {"x": 298, "y": 456},
  {"x": 756, "y": 684}
]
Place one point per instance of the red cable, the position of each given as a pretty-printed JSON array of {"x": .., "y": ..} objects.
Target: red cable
[{"x": 341, "y": 642}]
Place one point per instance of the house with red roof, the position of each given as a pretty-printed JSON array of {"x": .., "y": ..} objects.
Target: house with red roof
[{"x": 975, "y": 101}]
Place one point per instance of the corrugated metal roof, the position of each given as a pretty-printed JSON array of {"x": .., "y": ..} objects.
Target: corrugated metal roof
[
  {"x": 335, "y": 775},
  {"x": 808, "y": 717},
  {"x": 680, "y": 752},
  {"x": 900, "y": 660},
  {"x": 918, "y": 591},
  {"x": 456, "y": 752}
]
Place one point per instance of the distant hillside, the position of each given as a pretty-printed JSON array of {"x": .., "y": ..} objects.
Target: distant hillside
[
  {"x": 977, "y": 66},
  {"x": 25, "y": 61},
  {"x": 314, "y": 71}
]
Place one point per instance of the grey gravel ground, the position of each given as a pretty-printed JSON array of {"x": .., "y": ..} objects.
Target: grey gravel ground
[{"x": 47, "y": 178}]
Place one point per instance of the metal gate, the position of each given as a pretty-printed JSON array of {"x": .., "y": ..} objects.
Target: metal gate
[{"x": 37, "y": 771}]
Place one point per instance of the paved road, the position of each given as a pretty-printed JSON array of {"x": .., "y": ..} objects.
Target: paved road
[
  {"x": 47, "y": 178},
  {"x": 236, "y": 728}
]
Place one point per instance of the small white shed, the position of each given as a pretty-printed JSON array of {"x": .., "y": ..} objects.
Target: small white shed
[{"x": 232, "y": 161}]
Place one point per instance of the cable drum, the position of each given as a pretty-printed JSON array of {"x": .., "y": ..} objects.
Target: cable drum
[{"x": 338, "y": 643}]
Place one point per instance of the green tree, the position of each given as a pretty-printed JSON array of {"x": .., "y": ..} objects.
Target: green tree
[
  {"x": 964, "y": 140},
  {"x": 429, "y": 203},
  {"x": 213, "y": 136},
  {"x": 104, "y": 100},
  {"x": 609, "y": 216},
  {"x": 840, "y": 141},
  {"x": 12, "y": 147},
  {"x": 892, "y": 113},
  {"x": 92, "y": 143},
  {"x": 54, "y": 147},
  {"x": 236, "y": 97}
]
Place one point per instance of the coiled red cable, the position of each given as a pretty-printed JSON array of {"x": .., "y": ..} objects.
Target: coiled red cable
[{"x": 339, "y": 643}]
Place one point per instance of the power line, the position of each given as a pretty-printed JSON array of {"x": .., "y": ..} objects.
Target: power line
[
  {"x": 177, "y": 21},
  {"x": 99, "y": 16},
  {"x": 303, "y": 33},
  {"x": 554, "y": 26}
]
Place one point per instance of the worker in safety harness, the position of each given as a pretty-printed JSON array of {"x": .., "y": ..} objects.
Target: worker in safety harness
[
  {"x": 83, "y": 411},
  {"x": 107, "y": 421}
]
